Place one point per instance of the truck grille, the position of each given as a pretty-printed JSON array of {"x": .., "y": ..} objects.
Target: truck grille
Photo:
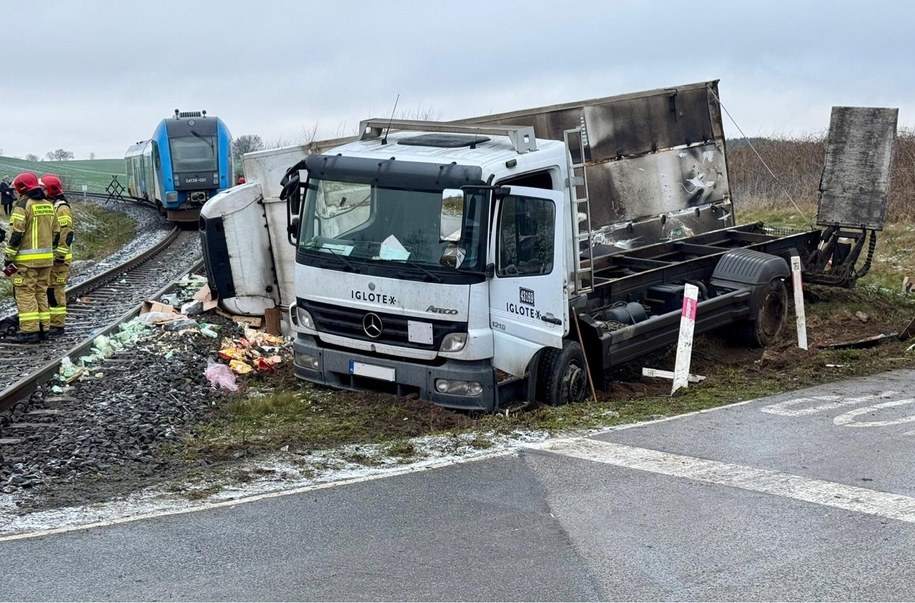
[{"x": 348, "y": 322}]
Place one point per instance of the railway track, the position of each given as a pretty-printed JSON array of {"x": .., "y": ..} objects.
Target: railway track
[{"x": 95, "y": 307}]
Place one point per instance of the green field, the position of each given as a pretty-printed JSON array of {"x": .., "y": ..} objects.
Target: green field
[{"x": 96, "y": 174}]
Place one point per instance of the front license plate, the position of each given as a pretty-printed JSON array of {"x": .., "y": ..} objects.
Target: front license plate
[{"x": 370, "y": 370}]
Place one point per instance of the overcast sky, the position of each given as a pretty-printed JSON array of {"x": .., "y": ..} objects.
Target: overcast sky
[{"x": 96, "y": 76}]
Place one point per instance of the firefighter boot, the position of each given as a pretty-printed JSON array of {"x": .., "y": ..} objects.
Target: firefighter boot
[{"x": 25, "y": 338}]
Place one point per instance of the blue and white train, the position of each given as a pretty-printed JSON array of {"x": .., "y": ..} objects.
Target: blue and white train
[{"x": 187, "y": 161}]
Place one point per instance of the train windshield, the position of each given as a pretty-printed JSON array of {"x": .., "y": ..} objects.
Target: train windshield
[
  {"x": 366, "y": 223},
  {"x": 193, "y": 153}
]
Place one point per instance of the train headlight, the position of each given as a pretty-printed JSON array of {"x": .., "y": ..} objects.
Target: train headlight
[
  {"x": 454, "y": 342},
  {"x": 171, "y": 197}
]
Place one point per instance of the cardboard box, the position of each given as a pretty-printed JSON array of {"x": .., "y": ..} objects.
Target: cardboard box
[
  {"x": 252, "y": 321},
  {"x": 205, "y": 296},
  {"x": 154, "y": 306}
]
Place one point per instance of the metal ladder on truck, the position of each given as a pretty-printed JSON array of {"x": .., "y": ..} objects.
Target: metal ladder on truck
[{"x": 583, "y": 277}]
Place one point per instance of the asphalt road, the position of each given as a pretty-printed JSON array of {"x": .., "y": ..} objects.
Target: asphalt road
[{"x": 808, "y": 495}]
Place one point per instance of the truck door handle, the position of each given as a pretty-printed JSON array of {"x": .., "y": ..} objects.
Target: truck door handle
[{"x": 551, "y": 319}]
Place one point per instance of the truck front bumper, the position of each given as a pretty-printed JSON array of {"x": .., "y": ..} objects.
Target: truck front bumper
[{"x": 355, "y": 371}]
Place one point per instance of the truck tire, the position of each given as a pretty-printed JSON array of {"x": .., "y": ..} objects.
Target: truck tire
[
  {"x": 770, "y": 315},
  {"x": 563, "y": 376}
]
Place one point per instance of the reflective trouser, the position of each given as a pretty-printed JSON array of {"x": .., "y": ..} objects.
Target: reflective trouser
[
  {"x": 30, "y": 286},
  {"x": 57, "y": 294}
]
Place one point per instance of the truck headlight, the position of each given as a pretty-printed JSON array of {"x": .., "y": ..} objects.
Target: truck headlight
[
  {"x": 458, "y": 388},
  {"x": 303, "y": 318},
  {"x": 306, "y": 361},
  {"x": 454, "y": 342}
]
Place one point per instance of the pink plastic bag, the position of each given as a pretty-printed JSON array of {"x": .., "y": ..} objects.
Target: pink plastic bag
[{"x": 220, "y": 375}]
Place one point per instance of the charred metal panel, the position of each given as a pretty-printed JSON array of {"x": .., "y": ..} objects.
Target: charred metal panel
[
  {"x": 659, "y": 183},
  {"x": 856, "y": 176},
  {"x": 615, "y": 237},
  {"x": 647, "y": 154},
  {"x": 635, "y": 126},
  {"x": 628, "y": 124}
]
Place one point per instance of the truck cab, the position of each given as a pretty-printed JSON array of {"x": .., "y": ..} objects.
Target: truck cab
[{"x": 432, "y": 263}]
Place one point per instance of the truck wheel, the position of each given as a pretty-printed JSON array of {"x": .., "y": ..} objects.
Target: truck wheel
[
  {"x": 770, "y": 315},
  {"x": 563, "y": 375}
]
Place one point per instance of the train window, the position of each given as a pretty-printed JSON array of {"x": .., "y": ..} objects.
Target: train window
[{"x": 193, "y": 153}]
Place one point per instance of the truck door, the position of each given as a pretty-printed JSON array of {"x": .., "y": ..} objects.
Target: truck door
[{"x": 528, "y": 300}]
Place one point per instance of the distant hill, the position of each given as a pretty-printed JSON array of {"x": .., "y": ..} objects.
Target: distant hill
[{"x": 96, "y": 174}]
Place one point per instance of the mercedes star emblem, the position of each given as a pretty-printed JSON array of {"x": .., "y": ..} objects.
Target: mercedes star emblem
[{"x": 372, "y": 325}]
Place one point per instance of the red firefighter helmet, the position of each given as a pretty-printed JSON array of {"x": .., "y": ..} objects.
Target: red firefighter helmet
[
  {"x": 51, "y": 185},
  {"x": 25, "y": 182}
]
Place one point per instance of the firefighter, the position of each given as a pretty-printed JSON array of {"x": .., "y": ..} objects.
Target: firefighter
[
  {"x": 29, "y": 256},
  {"x": 63, "y": 244}
]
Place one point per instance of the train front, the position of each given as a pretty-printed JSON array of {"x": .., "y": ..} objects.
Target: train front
[{"x": 196, "y": 163}]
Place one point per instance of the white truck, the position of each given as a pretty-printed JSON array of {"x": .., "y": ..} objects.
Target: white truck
[{"x": 512, "y": 258}]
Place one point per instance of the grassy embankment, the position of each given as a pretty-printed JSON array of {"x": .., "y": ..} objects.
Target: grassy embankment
[
  {"x": 95, "y": 174},
  {"x": 279, "y": 411}
]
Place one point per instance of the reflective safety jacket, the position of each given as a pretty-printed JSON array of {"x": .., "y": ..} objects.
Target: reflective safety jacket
[
  {"x": 32, "y": 232},
  {"x": 63, "y": 241}
]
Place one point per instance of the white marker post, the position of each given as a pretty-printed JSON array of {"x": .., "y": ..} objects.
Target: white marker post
[
  {"x": 650, "y": 372},
  {"x": 685, "y": 343},
  {"x": 798, "y": 287}
]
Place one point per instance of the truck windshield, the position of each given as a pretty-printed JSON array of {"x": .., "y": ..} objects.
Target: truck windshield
[
  {"x": 368, "y": 223},
  {"x": 193, "y": 153}
]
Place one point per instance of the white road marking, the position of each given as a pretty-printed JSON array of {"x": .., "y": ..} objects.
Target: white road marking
[
  {"x": 556, "y": 446},
  {"x": 776, "y": 483},
  {"x": 849, "y": 419},
  {"x": 787, "y": 408}
]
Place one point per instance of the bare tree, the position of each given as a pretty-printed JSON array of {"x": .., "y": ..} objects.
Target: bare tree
[
  {"x": 59, "y": 155},
  {"x": 32, "y": 157},
  {"x": 308, "y": 135},
  {"x": 247, "y": 143},
  {"x": 92, "y": 156},
  {"x": 278, "y": 143},
  {"x": 420, "y": 113}
]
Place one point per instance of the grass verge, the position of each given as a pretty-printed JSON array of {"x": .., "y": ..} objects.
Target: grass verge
[{"x": 280, "y": 414}]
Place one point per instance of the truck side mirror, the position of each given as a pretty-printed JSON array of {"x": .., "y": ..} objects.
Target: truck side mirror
[
  {"x": 291, "y": 192},
  {"x": 452, "y": 215},
  {"x": 293, "y": 228}
]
